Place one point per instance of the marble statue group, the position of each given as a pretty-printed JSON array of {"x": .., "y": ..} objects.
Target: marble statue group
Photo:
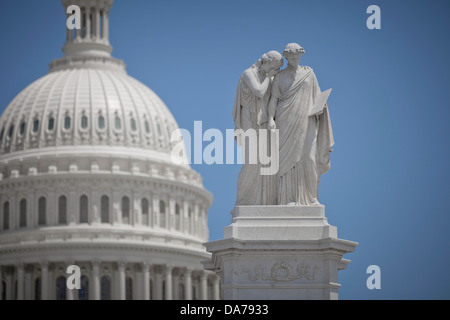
[{"x": 291, "y": 103}]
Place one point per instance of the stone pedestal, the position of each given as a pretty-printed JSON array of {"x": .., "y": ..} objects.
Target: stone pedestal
[{"x": 279, "y": 253}]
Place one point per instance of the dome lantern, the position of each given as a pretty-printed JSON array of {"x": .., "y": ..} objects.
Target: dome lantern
[
  {"x": 88, "y": 46},
  {"x": 92, "y": 39}
]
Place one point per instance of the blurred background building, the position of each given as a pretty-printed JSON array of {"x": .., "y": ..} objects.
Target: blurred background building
[{"x": 86, "y": 179}]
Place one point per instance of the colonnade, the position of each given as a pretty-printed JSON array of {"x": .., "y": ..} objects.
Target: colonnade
[
  {"x": 107, "y": 280},
  {"x": 94, "y": 25}
]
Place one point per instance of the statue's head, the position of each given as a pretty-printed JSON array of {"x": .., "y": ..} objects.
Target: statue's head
[
  {"x": 270, "y": 61},
  {"x": 292, "y": 52}
]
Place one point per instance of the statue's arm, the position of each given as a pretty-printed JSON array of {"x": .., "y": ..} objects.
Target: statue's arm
[
  {"x": 258, "y": 89},
  {"x": 273, "y": 102}
]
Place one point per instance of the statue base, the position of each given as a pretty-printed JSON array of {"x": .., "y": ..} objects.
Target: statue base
[{"x": 279, "y": 253}]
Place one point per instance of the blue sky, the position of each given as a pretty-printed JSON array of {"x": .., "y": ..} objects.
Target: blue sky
[{"x": 388, "y": 184}]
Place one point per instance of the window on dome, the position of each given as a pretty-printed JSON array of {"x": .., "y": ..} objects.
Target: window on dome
[
  {"x": 133, "y": 124},
  {"x": 177, "y": 217},
  {"x": 51, "y": 124},
  {"x": 42, "y": 208},
  {"x": 162, "y": 214},
  {"x": 23, "y": 213},
  {"x": 83, "y": 209},
  {"x": 189, "y": 219},
  {"x": 61, "y": 288},
  {"x": 22, "y": 127},
  {"x": 126, "y": 210},
  {"x": 118, "y": 123},
  {"x": 11, "y": 131},
  {"x": 62, "y": 210},
  {"x": 159, "y": 129},
  {"x": 147, "y": 126},
  {"x": 84, "y": 122},
  {"x": 144, "y": 208},
  {"x": 83, "y": 293},
  {"x": 101, "y": 122},
  {"x": 104, "y": 209},
  {"x": 67, "y": 122},
  {"x": 35, "y": 125},
  {"x": 6, "y": 215},
  {"x": 129, "y": 288},
  {"x": 2, "y": 133},
  {"x": 105, "y": 284}
]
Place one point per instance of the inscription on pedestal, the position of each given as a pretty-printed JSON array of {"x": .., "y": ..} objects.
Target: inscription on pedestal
[{"x": 283, "y": 272}]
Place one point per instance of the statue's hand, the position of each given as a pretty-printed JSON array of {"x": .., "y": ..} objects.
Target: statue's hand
[
  {"x": 271, "y": 125},
  {"x": 273, "y": 72}
]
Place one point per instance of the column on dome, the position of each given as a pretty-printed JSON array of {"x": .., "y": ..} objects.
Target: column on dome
[
  {"x": 216, "y": 288},
  {"x": 168, "y": 282},
  {"x": 135, "y": 210},
  {"x": 95, "y": 280},
  {"x": 155, "y": 211},
  {"x": 164, "y": 223},
  {"x": 70, "y": 293},
  {"x": 32, "y": 208},
  {"x": 17, "y": 212},
  {"x": 203, "y": 285},
  {"x": 78, "y": 34},
  {"x": 28, "y": 282},
  {"x": 105, "y": 26},
  {"x": 158, "y": 284},
  {"x": 1, "y": 282},
  {"x": 72, "y": 213},
  {"x": 176, "y": 283},
  {"x": 195, "y": 224},
  {"x": 96, "y": 17},
  {"x": 9, "y": 282},
  {"x": 68, "y": 31},
  {"x": 95, "y": 213},
  {"x": 88, "y": 22},
  {"x": 121, "y": 279},
  {"x": 188, "y": 284},
  {"x": 185, "y": 220},
  {"x": 171, "y": 214},
  {"x": 20, "y": 281},
  {"x": 51, "y": 283},
  {"x": 202, "y": 223},
  {"x": 146, "y": 280},
  {"x": 13, "y": 217},
  {"x": 52, "y": 209},
  {"x": 116, "y": 207},
  {"x": 44, "y": 280}
]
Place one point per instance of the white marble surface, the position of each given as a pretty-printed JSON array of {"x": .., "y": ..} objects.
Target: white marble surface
[{"x": 280, "y": 253}]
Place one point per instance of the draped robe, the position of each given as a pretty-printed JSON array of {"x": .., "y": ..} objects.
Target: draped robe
[
  {"x": 248, "y": 113},
  {"x": 305, "y": 141}
]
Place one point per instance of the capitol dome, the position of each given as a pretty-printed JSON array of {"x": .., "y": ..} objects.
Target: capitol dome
[
  {"x": 80, "y": 103},
  {"x": 86, "y": 179}
]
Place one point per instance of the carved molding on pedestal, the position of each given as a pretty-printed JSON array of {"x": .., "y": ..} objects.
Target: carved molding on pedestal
[{"x": 283, "y": 271}]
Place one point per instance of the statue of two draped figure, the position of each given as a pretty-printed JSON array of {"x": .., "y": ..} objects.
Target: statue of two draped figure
[{"x": 290, "y": 106}]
